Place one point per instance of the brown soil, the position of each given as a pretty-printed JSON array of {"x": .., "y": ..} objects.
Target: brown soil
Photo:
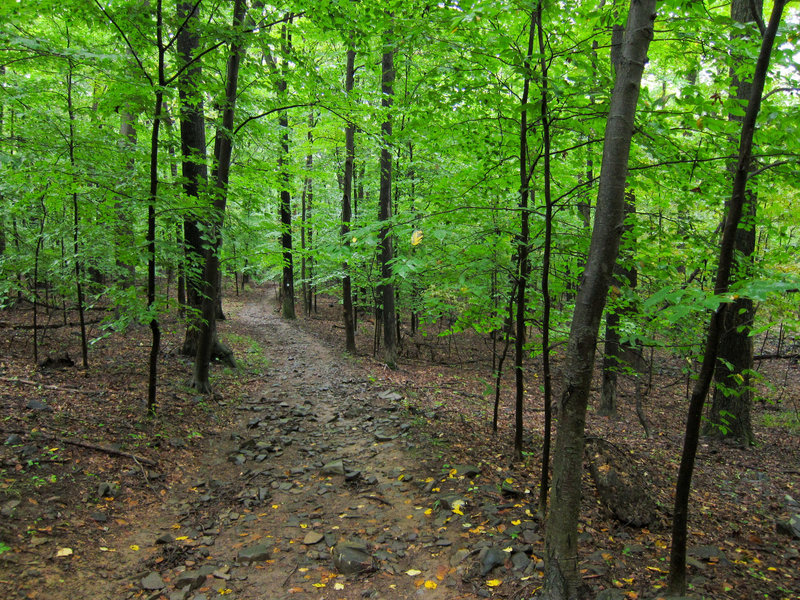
[{"x": 245, "y": 469}]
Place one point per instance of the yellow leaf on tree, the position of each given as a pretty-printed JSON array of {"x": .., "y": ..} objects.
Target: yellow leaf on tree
[
  {"x": 494, "y": 582},
  {"x": 416, "y": 237}
]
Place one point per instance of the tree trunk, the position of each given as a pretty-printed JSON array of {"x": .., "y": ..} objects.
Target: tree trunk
[
  {"x": 615, "y": 350},
  {"x": 388, "y": 314},
  {"x": 736, "y": 204},
  {"x": 223, "y": 146},
  {"x": 733, "y": 394},
  {"x": 523, "y": 247},
  {"x": 193, "y": 167},
  {"x": 287, "y": 283},
  {"x": 347, "y": 213},
  {"x": 548, "y": 242},
  {"x": 562, "y": 578}
]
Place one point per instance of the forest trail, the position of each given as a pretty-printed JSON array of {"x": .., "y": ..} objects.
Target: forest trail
[{"x": 315, "y": 491}]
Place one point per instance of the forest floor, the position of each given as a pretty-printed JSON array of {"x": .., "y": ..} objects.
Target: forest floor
[{"x": 312, "y": 474}]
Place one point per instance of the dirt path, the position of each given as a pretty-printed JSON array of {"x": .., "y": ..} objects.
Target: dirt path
[{"x": 314, "y": 492}]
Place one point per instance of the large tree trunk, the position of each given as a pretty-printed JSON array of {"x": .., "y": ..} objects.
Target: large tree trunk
[
  {"x": 736, "y": 205},
  {"x": 347, "y": 213},
  {"x": 733, "y": 395},
  {"x": 193, "y": 166},
  {"x": 223, "y": 146},
  {"x": 562, "y": 578},
  {"x": 388, "y": 314}
]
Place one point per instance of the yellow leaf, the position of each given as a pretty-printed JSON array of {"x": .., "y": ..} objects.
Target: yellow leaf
[
  {"x": 428, "y": 512},
  {"x": 516, "y": 522},
  {"x": 176, "y": 526},
  {"x": 338, "y": 586},
  {"x": 223, "y": 591},
  {"x": 509, "y": 549},
  {"x": 416, "y": 237},
  {"x": 413, "y": 572},
  {"x": 134, "y": 547},
  {"x": 318, "y": 585},
  {"x": 494, "y": 582},
  {"x": 181, "y": 538},
  {"x": 64, "y": 552},
  {"x": 303, "y": 526},
  {"x": 431, "y": 585}
]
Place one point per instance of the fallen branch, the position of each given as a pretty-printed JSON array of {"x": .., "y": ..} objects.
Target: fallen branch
[
  {"x": 46, "y": 386},
  {"x": 377, "y": 498},
  {"x": 108, "y": 450}
]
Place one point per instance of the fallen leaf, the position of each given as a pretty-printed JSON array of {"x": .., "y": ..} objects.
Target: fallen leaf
[
  {"x": 338, "y": 586},
  {"x": 494, "y": 582},
  {"x": 413, "y": 572},
  {"x": 64, "y": 552},
  {"x": 431, "y": 585},
  {"x": 134, "y": 547}
]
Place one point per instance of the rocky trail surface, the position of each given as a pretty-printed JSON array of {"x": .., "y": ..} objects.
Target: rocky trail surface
[{"x": 319, "y": 489}]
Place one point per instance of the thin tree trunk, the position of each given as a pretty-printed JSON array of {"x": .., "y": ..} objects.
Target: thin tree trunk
[
  {"x": 562, "y": 578},
  {"x": 677, "y": 568},
  {"x": 223, "y": 146},
  {"x": 155, "y": 329},
  {"x": 548, "y": 242},
  {"x": 347, "y": 216},
  {"x": 388, "y": 313},
  {"x": 76, "y": 219},
  {"x": 524, "y": 263}
]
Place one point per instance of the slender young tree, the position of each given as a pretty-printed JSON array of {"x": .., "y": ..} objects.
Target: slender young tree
[
  {"x": 287, "y": 283},
  {"x": 388, "y": 315},
  {"x": 562, "y": 578},
  {"x": 347, "y": 212},
  {"x": 223, "y": 147},
  {"x": 523, "y": 243},
  {"x": 736, "y": 205}
]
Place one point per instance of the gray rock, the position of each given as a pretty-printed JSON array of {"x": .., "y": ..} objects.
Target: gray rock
[
  {"x": 392, "y": 396},
  {"x": 458, "y": 556},
  {"x": 491, "y": 558},
  {"x": 313, "y": 537},
  {"x": 13, "y": 440},
  {"x": 352, "y": 557},
  {"x": 383, "y": 437},
  {"x": 254, "y": 553},
  {"x": 9, "y": 508},
  {"x": 153, "y": 582},
  {"x": 790, "y": 528},
  {"x": 468, "y": 471},
  {"x": 191, "y": 579},
  {"x": 180, "y": 594},
  {"x": 335, "y": 467},
  {"x": 520, "y": 560},
  {"x": 107, "y": 490},
  {"x": 38, "y": 405}
]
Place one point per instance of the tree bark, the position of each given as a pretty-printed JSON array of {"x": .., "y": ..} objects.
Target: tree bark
[
  {"x": 729, "y": 416},
  {"x": 736, "y": 204},
  {"x": 287, "y": 283},
  {"x": 562, "y": 578},
  {"x": 523, "y": 247},
  {"x": 388, "y": 314},
  {"x": 193, "y": 166},
  {"x": 347, "y": 213},
  {"x": 223, "y": 146}
]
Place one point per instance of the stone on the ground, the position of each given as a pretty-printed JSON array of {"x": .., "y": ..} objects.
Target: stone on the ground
[
  {"x": 313, "y": 537},
  {"x": 335, "y": 467},
  {"x": 13, "y": 440},
  {"x": 107, "y": 490},
  {"x": 153, "y": 582},
  {"x": 491, "y": 558},
  {"x": 789, "y": 528},
  {"x": 352, "y": 557},
  {"x": 9, "y": 508},
  {"x": 392, "y": 396},
  {"x": 38, "y": 405},
  {"x": 254, "y": 553},
  {"x": 193, "y": 579},
  {"x": 468, "y": 471}
]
